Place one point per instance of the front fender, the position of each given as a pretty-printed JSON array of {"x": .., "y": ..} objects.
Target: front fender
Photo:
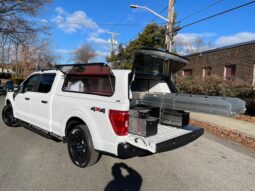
[{"x": 9, "y": 98}]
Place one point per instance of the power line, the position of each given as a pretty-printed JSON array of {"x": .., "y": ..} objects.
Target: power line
[
  {"x": 119, "y": 24},
  {"x": 109, "y": 24},
  {"x": 137, "y": 18},
  {"x": 151, "y": 21},
  {"x": 217, "y": 14},
  {"x": 200, "y": 10},
  {"x": 212, "y": 16}
]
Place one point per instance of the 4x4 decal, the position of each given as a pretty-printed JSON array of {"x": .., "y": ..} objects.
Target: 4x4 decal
[{"x": 102, "y": 110}]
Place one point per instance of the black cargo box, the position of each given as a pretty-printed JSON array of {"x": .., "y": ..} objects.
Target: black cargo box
[
  {"x": 139, "y": 112},
  {"x": 144, "y": 127},
  {"x": 174, "y": 117},
  {"x": 144, "y": 111}
]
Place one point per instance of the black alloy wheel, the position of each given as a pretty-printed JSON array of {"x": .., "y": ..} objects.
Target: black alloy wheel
[
  {"x": 80, "y": 147},
  {"x": 8, "y": 117}
]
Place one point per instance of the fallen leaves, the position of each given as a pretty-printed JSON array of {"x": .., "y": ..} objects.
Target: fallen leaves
[{"x": 226, "y": 133}]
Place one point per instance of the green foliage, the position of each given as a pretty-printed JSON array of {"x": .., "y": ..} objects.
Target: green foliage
[
  {"x": 214, "y": 86},
  {"x": 153, "y": 36}
]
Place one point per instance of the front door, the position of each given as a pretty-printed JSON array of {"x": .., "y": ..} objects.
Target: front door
[{"x": 22, "y": 101}]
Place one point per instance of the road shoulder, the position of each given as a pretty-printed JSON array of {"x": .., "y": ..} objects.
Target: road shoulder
[{"x": 234, "y": 129}]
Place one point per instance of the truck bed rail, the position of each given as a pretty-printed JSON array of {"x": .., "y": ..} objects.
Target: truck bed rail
[{"x": 226, "y": 106}]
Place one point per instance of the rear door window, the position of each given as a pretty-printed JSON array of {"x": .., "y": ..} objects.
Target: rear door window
[{"x": 46, "y": 83}]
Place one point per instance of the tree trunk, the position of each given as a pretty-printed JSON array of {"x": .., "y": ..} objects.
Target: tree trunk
[
  {"x": 2, "y": 59},
  {"x": 16, "y": 52},
  {"x": 8, "y": 53}
]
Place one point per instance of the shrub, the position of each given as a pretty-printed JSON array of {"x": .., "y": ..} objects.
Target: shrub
[
  {"x": 5, "y": 75},
  {"x": 215, "y": 86},
  {"x": 17, "y": 80}
]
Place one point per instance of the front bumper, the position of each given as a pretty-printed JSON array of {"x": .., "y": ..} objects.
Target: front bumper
[{"x": 126, "y": 150}]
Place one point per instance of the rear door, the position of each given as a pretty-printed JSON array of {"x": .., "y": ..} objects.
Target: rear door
[{"x": 41, "y": 102}]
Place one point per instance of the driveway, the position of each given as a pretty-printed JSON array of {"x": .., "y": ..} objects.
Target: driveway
[{"x": 31, "y": 162}]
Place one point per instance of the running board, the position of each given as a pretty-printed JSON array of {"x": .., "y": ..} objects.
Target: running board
[
  {"x": 226, "y": 106},
  {"x": 40, "y": 131}
]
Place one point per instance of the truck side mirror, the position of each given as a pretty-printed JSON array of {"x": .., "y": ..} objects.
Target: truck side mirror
[{"x": 15, "y": 92}]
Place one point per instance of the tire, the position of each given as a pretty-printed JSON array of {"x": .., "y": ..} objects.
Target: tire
[
  {"x": 8, "y": 117},
  {"x": 80, "y": 147}
]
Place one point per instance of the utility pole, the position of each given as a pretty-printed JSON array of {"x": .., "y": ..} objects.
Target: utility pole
[
  {"x": 170, "y": 25},
  {"x": 113, "y": 41}
]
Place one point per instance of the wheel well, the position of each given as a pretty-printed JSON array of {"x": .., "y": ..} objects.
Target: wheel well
[
  {"x": 71, "y": 122},
  {"x": 8, "y": 102}
]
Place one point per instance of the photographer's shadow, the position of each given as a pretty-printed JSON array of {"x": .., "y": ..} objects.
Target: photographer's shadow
[{"x": 132, "y": 181}]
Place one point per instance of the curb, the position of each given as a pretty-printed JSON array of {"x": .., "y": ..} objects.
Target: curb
[{"x": 226, "y": 133}]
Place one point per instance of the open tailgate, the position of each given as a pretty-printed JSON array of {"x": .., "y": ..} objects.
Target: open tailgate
[{"x": 167, "y": 138}]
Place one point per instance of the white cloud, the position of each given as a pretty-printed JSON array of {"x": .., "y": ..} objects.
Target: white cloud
[
  {"x": 60, "y": 10},
  {"x": 100, "y": 56},
  {"x": 186, "y": 43},
  {"x": 76, "y": 21},
  {"x": 44, "y": 21},
  {"x": 64, "y": 51},
  {"x": 102, "y": 53},
  {"x": 79, "y": 21},
  {"x": 234, "y": 39},
  {"x": 97, "y": 40},
  {"x": 184, "y": 38}
]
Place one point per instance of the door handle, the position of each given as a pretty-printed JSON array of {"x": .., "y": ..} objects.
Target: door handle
[
  {"x": 43, "y": 101},
  {"x": 26, "y": 98}
]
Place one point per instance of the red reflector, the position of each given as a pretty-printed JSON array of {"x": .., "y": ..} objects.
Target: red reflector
[{"x": 119, "y": 121}]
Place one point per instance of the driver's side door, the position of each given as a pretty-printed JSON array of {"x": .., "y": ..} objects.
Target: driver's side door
[{"x": 22, "y": 101}]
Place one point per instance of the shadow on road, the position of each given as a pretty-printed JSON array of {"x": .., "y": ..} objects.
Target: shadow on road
[{"x": 121, "y": 182}]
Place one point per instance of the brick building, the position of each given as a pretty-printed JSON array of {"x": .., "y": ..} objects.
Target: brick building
[{"x": 235, "y": 61}]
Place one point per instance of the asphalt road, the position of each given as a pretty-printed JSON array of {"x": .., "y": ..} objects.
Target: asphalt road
[{"x": 31, "y": 162}]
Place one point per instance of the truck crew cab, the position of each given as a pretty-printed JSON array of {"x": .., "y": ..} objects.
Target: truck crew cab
[{"x": 120, "y": 112}]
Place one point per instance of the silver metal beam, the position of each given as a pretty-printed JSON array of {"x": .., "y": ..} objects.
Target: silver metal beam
[{"x": 226, "y": 106}]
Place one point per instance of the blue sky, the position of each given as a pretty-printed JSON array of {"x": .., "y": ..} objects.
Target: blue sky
[{"x": 85, "y": 21}]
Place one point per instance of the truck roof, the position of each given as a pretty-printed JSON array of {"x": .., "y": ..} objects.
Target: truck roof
[
  {"x": 46, "y": 71},
  {"x": 115, "y": 71}
]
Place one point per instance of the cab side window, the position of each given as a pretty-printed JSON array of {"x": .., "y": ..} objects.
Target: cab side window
[{"x": 30, "y": 84}]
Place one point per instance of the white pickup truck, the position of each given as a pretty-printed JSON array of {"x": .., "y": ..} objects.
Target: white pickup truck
[{"x": 88, "y": 107}]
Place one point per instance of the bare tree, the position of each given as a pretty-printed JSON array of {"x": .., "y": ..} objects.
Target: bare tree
[
  {"x": 84, "y": 53},
  {"x": 38, "y": 55},
  {"x": 15, "y": 19},
  {"x": 197, "y": 44}
]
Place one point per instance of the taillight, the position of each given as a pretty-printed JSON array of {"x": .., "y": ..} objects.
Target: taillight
[{"x": 119, "y": 121}]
